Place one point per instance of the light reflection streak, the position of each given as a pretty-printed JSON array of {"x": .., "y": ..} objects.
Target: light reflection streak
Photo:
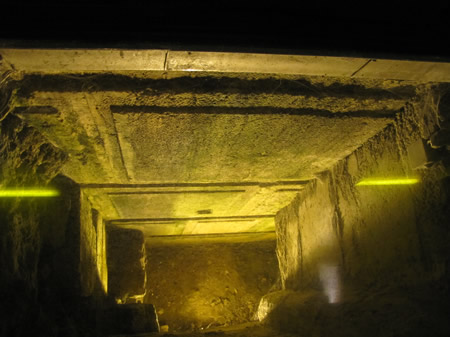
[
  {"x": 28, "y": 193},
  {"x": 390, "y": 181},
  {"x": 329, "y": 277}
]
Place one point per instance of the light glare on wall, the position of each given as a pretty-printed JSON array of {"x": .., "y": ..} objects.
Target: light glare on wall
[
  {"x": 388, "y": 181},
  {"x": 329, "y": 277},
  {"x": 28, "y": 193}
]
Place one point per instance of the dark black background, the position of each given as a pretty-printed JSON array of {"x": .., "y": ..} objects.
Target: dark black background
[{"x": 374, "y": 29}]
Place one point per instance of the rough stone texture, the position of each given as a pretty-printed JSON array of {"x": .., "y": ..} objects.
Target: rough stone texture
[
  {"x": 237, "y": 139},
  {"x": 101, "y": 117},
  {"x": 296, "y": 310},
  {"x": 26, "y": 156},
  {"x": 78, "y": 244},
  {"x": 66, "y": 290},
  {"x": 45, "y": 242},
  {"x": 170, "y": 131},
  {"x": 233, "y": 147},
  {"x": 209, "y": 282},
  {"x": 336, "y": 236},
  {"x": 72, "y": 263},
  {"x": 334, "y": 222},
  {"x": 93, "y": 264},
  {"x": 26, "y": 159},
  {"x": 127, "y": 276}
]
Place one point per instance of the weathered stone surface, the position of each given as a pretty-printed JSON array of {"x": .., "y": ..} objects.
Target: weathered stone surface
[
  {"x": 170, "y": 61},
  {"x": 73, "y": 232},
  {"x": 93, "y": 264},
  {"x": 371, "y": 233},
  {"x": 269, "y": 302},
  {"x": 336, "y": 235},
  {"x": 137, "y": 129},
  {"x": 292, "y": 311},
  {"x": 126, "y": 263},
  {"x": 26, "y": 159},
  {"x": 40, "y": 259}
]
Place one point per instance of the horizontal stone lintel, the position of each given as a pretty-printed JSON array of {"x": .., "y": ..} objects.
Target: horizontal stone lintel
[
  {"x": 158, "y": 220},
  {"x": 221, "y": 110},
  {"x": 120, "y": 187},
  {"x": 204, "y": 87},
  {"x": 101, "y": 60}
]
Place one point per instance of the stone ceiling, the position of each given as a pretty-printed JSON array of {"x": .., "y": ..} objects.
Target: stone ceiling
[{"x": 200, "y": 143}]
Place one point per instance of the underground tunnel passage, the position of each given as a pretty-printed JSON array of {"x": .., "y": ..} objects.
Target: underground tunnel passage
[{"x": 156, "y": 191}]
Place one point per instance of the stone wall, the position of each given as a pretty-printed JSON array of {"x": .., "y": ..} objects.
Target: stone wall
[
  {"x": 207, "y": 282},
  {"x": 53, "y": 254},
  {"x": 378, "y": 254},
  {"x": 93, "y": 264},
  {"x": 26, "y": 159},
  {"x": 371, "y": 234}
]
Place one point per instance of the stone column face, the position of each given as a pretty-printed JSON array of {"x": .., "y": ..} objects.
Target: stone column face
[
  {"x": 126, "y": 264},
  {"x": 93, "y": 268}
]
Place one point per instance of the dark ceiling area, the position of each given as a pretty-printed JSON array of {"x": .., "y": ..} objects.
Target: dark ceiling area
[{"x": 372, "y": 29}]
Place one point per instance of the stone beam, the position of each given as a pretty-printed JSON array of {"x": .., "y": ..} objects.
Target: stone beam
[
  {"x": 200, "y": 226},
  {"x": 149, "y": 220},
  {"x": 229, "y": 95},
  {"x": 101, "y": 60},
  {"x": 241, "y": 198}
]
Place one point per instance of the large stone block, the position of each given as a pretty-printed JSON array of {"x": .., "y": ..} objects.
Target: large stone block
[
  {"x": 292, "y": 311},
  {"x": 126, "y": 263}
]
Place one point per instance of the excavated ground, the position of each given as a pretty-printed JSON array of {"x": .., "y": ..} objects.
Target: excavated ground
[
  {"x": 253, "y": 329},
  {"x": 216, "y": 282},
  {"x": 371, "y": 312}
]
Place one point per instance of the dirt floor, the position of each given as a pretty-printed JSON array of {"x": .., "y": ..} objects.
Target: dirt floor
[
  {"x": 400, "y": 312},
  {"x": 252, "y": 329},
  {"x": 209, "y": 284}
]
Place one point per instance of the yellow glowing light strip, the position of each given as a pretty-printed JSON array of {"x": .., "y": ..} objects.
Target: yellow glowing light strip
[
  {"x": 381, "y": 182},
  {"x": 28, "y": 193}
]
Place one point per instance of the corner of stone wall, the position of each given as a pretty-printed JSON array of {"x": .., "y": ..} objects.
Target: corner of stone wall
[
  {"x": 289, "y": 247},
  {"x": 52, "y": 255},
  {"x": 26, "y": 159},
  {"x": 377, "y": 257},
  {"x": 93, "y": 265},
  {"x": 369, "y": 234}
]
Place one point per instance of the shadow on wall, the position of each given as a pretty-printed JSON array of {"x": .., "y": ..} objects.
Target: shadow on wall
[{"x": 127, "y": 276}]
